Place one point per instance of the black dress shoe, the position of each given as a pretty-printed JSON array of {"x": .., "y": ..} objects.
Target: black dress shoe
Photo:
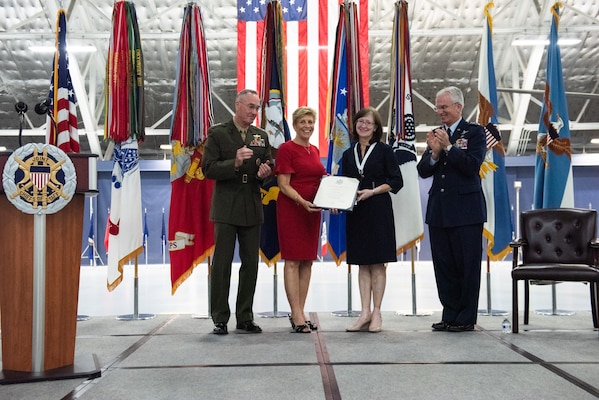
[
  {"x": 440, "y": 326},
  {"x": 248, "y": 327},
  {"x": 220, "y": 328},
  {"x": 460, "y": 328}
]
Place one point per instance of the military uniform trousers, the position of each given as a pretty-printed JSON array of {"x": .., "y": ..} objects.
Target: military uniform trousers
[
  {"x": 225, "y": 236},
  {"x": 456, "y": 253}
]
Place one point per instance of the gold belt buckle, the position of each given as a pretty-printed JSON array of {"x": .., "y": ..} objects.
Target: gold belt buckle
[{"x": 244, "y": 178}]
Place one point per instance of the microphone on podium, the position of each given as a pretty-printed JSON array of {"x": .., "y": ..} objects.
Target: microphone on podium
[
  {"x": 42, "y": 107},
  {"x": 21, "y": 107}
]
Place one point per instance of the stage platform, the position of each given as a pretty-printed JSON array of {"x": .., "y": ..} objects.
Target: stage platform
[{"x": 174, "y": 355}]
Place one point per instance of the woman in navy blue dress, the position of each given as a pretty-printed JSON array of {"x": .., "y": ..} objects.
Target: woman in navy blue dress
[{"x": 370, "y": 228}]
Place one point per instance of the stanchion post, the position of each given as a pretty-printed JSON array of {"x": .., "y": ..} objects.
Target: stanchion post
[
  {"x": 489, "y": 310},
  {"x": 349, "y": 312},
  {"x": 275, "y": 309},
  {"x": 414, "y": 312},
  {"x": 136, "y": 315},
  {"x": 208, "y": 315},
  {"x": 554, "y": 310}
]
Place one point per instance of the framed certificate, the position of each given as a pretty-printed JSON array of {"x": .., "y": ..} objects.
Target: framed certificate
[{"x": 336, "y": 192}]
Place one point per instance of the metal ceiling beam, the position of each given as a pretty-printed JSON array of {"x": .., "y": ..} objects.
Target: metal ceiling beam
[
  {"x": 89, "y": 120},
  {"x": 530, "y": 75}
]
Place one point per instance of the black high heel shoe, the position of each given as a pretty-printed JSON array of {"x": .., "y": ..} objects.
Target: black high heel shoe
[
  {"x": 312, "y": 326},
  {"x": 299, "y": 328}
]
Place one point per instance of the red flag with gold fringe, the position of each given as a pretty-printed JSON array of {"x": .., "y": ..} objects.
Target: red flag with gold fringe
[{"x": 190, "y": 232}]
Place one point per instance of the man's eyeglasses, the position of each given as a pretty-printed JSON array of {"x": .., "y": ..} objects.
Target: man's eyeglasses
[
  {"x": 443, "y": 107},
  {"x": 365, "y": 122},
  {"x": 252, "y": 107}
]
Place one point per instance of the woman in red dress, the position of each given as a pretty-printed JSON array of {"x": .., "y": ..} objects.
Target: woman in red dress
[{"x": 299, "y": 170}]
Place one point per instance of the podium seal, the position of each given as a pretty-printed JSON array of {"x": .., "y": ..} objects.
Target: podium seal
[{"x": 39, "y": 179}]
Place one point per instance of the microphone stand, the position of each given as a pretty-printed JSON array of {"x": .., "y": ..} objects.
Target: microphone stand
[
  {"x": 44, "y": 108},
  {"x": 21, "y": 108}
]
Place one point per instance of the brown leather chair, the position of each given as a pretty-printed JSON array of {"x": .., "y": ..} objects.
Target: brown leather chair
[{"x": 557, "y": 244}]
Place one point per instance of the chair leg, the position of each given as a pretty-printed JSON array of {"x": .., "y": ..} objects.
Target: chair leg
[
  {"x": 594, "y": 309},
  {"x": 514, "y": 306},
  {"x": 526, "y": 301}
]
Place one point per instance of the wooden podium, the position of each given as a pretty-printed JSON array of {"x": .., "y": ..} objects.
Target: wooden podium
[{"x": 63, "y": 235}]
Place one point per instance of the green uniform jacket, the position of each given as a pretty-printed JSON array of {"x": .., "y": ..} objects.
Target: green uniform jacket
[{"x": 236, "y": 199}]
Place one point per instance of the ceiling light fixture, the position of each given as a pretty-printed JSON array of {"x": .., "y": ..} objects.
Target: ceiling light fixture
[
  {"x": 70, "y": 49},
  {"x": 536, "y": 42}
]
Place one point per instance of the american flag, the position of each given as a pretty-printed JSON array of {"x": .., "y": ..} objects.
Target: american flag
[
  {"x": 61, "y": 123},
  {"x": 310, "y": 43}
]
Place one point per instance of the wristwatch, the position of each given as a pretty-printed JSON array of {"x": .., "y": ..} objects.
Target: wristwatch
[{"x": 449, "y": 146}]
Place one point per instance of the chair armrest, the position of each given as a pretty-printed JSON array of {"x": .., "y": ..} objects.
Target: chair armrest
[{"x": 519, "y": 243}]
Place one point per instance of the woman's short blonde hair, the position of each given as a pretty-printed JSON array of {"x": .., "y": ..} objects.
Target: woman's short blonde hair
[{"x": 302, "y": 112}]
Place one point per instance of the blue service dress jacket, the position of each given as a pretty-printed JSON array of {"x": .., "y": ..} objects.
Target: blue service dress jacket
[{"x": 456, "y": 197}]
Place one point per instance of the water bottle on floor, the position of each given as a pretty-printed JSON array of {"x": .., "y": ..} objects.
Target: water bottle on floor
[{"x": 506, "y": 326}]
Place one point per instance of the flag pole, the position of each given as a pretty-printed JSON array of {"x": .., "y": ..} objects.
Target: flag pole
[
  {"x": 489, "y": 311},
  {"x": 136, "y": 315},
  {"x": 92, "y": 262},
  {"x": 275, "y": 303},
  {"x": 145, "y": 227},
  {"x": 163, "y": 242},
  {"x": 349, "y": 312},
  {"x": 209, "y": 314},
  {"x": 89, "y": 241},
  {"x": 414, "y": 313}
]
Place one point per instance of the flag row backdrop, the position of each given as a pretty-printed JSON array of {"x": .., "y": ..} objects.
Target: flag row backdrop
[{"x": 310, "y": 36}]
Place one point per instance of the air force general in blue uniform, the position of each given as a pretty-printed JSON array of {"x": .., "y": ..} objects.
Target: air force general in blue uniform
[{"x": 456, "y": 210}]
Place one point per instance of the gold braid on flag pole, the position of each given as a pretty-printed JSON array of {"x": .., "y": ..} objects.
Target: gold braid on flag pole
[
  {"x": 54, "y": 137},
  {"x": 488, "y": 14},
  {"x": 280, "y": 54},
  {"x": 485, "y": 108},
  {"x": 555, "y": 11}
]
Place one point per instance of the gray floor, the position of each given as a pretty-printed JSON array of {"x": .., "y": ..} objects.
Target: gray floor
[{"x": 174, "y": 356}]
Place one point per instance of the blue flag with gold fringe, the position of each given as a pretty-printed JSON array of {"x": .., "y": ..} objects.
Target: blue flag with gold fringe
[
  {"x": 499, "y": 228},
  {"x": 553, "y": 186}
]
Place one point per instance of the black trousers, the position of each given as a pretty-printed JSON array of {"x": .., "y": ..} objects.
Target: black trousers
[{"x": 457, "y": 256}]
